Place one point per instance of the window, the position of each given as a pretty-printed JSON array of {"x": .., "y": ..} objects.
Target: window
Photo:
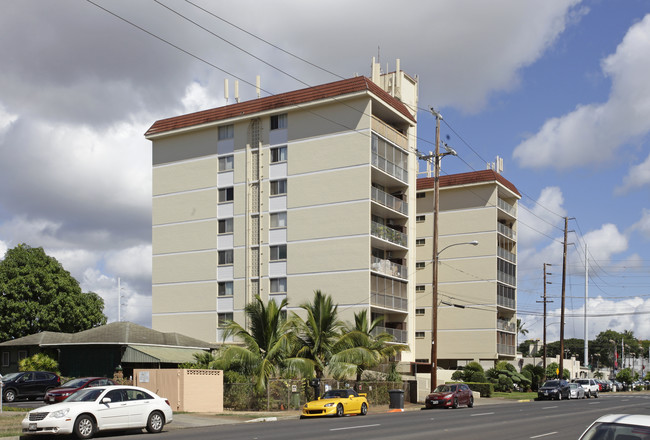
[
  {"x": 420, "y": 288},
  {"x": 279, "y": 220},
  {"x": 5, "y": 358},
  {"x": 279, "y": 154},
  {"x": 224, "y": 319},
  {"x": 420, "y": 265},
  {"x": 225, "y": 257},
  {"x": 226, "y": 163},
  {"x": 226, "y": 132},
  {"x": 226, "y": 194},
  {"x": 225, "y": 288},
  {"x": 279, "y": 252},
  {"x": 419, "y": 312},
  {"x": 278, "y": 187},
  {"x": 225, "y": 226},
  {"x": 278, "y": 285},
  {"x": 420, "y": 195},
  {"x": 278, "y": 121},
  {"x": 419, "y": 241},
  {"x": 419, "y": 218},
  {"x": 419, "y": 335}
]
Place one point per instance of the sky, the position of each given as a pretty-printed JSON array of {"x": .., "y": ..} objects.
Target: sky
[{"x": 559, "y": 89}]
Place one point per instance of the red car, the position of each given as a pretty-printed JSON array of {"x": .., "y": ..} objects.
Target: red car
[
  {"x": 450, "y": 396},
  {"x": 72, "y": 386}
]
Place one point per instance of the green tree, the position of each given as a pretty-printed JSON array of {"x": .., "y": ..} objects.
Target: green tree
[
  {"x": 265, "y": 345},
  {"x": 473, "y": 372},
  {"x": 363, "y": 348},
  {"x": 37, "y": 294},
  {"x": 535, "y": 373},
  {"x": 552, "y": 371},
  {"x": 39, "y": 362},
  {"x": 625, "y": 376},
  {"x": 318, "y": 334}
]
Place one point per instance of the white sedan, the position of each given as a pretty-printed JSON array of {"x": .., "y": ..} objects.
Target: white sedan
[{"x": 91, "y": 410}]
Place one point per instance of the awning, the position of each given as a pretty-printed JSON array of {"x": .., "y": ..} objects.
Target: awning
[{"x": 150, "y": 354}]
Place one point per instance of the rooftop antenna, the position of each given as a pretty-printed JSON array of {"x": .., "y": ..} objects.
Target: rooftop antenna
[
  {"x": 257, "y": 85},
  {"x": 225, "y": 89},
  {"x": 496, "y": 166},
  {"x": 236, "y": 91}
]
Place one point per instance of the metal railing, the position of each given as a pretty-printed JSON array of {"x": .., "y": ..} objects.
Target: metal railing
[
  {"x": 389, "y": 268},
  {"x": 389, "y": 167},
  {"x": 506, "y": 278},
  {"x": 507, "y": 207},
  {"x": 400, "y": 336},
  {"x": 506, "y": 302},
  {"x": 506, "y": 255},
  {"x": 389, "y": 234},
  {"x": 507, "y": 326},
  {"x": 388, "y": 301},
  {"x": 506, "y": 349},
  {"x": 503, "y": 229},
  {"x": 389, "y": 201}
]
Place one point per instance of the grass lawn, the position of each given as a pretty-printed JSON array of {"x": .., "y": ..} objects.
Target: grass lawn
[
  {"x": 515, "y": 395},
  {"x": 10, "y": 422}
]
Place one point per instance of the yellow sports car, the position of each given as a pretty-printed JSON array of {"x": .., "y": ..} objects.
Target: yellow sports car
[{"x": 336, "y": 403}]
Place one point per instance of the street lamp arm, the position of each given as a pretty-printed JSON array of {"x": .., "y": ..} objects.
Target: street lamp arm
[{"x": 473, "y": 243}]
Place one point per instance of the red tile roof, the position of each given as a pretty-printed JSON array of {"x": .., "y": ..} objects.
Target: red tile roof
[
  {"x": 467, "y": 179},
  {"x": 297, "y": 97}
]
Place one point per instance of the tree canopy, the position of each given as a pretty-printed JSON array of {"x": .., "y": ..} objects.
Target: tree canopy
[{"x": 37, "y": 294}]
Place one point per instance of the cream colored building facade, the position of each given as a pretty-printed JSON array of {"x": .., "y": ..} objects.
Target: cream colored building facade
[
  {"x": 477, "y": 284},
  {"x": 284, "y": 195}
]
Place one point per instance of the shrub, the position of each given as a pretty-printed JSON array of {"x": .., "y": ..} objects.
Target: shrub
[{"x": 39, "y": 362}]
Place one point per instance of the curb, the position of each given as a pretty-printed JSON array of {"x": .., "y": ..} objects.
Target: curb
[{"x": 262, "y": 419}]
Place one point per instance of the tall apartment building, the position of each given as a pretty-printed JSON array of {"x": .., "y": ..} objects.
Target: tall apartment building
[
  {"x": 283, "y": 195},
  {"x": 477, "y": 284}
]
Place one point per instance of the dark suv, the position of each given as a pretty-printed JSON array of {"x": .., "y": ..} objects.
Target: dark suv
[
  {"x": 554, "y": 389},
  {"x": 30, "y": 384}
]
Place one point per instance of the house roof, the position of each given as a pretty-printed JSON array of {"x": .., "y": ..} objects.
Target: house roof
[
  {"x": 297, "y": 97},
  {"x": 469, "y": 178},
  {"x": 113, "y": 333},
  {"x": 156, "y": 354}
]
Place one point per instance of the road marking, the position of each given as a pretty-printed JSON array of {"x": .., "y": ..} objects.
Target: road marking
[
  {"x": 549, "y": 407},
  {"x": 355, "y": 427},
  {"x": 544, "y": 435},
  {"x": 482, "y": 414}
]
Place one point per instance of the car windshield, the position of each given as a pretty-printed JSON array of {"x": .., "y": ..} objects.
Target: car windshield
[
  {"x": 611, "y": 431},
  {"x": 551, "y": 383},
  {"x": 445, "y": 389},
  {"x": 74, "y": 383},
  {"x": 85, "y": 395},
  {"x": 333, "y": 394},
  {"x": 10, "y": 376}
]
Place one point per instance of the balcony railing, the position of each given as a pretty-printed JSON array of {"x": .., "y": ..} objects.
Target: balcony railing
[
  {"x": 506, "y": 326},
  {"x": 506, "y": 278},
  {"x": 385, "y": 130},
  {"x": 388, "y": 301},
  {"x": 400, "y": 336},
  {"x": 506, "y": 302},
  {"x": 506, "y": 255},
  {"x": 503, "y": 229},
  {"x": 507, "y": 207},
  {"x": 387, "y": 267},
  {"x": 506, "y": 349},
  {"x": 389, "y": 234},
  {"x": 389, "y": 201},
  {"x": 389, "y": 167}
]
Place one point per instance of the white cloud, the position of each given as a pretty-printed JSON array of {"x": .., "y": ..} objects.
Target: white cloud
[
  {"x": 637, "y": 177},
  {"x": 542, "y": 219},
  {"x": 3, "y": 249},
  {"x": 643, "y": 225},
  {"x": 605, "y": 242},
  {"x": 593, "y": 132},
  {"x": 133, "y": 262}
]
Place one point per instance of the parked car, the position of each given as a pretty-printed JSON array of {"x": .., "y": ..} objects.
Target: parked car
[
  {"x": 576, "y": 391},
  {"x": 590, "y": 385},
  {"x": 29, "y": 384},
  {"x": 336, "y": 403},
  {"x": 70, "y": 387},
  {"x": 618, "y": 426},
  {"x": 450, "y": 396},
  {"x": 97, "y": 409},
  {"x": 554, "y": 389}
]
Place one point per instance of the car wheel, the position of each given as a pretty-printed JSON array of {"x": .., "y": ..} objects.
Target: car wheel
[
  {"x": 471, "y": 402},
  {"x": 559, "y": 396},
  {"x": 339, "y": 410},
  {"x": 10, "y": 396},
  {"x": 588, "y": 394},
  {"x": 84, "y": 427},
  {"x": 596, "y": 395},
  {"x": 155, "y": 422},
  {"x": 364, "y": 409},
  {"x": 455, "y": 404}
]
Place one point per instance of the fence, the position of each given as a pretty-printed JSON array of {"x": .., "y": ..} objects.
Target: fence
[{"x": 292, "y": 394}]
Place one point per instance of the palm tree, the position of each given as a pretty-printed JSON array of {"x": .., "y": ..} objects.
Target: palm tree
[
  {"x": 317, "y": 335},
  {"x": 361, "y": 349},
  {"x": 521, "y": 328},
  {"x": 265, "y": 345}
]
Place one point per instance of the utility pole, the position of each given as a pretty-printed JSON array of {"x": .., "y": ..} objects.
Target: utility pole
[
  {"x": 566, "y": 227},
  {"x": 545, "y": 301},
  {"x": 586, "y": 358},
  {"x": 436, "y": 206}
]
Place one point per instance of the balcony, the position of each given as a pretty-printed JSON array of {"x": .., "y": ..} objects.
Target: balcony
[
  {"x": 389, "y": 201},
  {"x": 506, "y": 278},
  {"x": 507, "y": 326},
  {"x": 389, "y": 234},
  {"x": 506, "y": 255},
  {"x": 503, "y": 229},
  {"x": 504, "y": 349},
  {"x": 400, "y": 336},
  {"x": 389, "y": 167},
  {"x": 385, "y": 130},
  {"x": 387, "y": 267},
  {"x": 506, "y": 302},
  {"x": 388, "y": 301},
  {"x": 507, "y": 207}
]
